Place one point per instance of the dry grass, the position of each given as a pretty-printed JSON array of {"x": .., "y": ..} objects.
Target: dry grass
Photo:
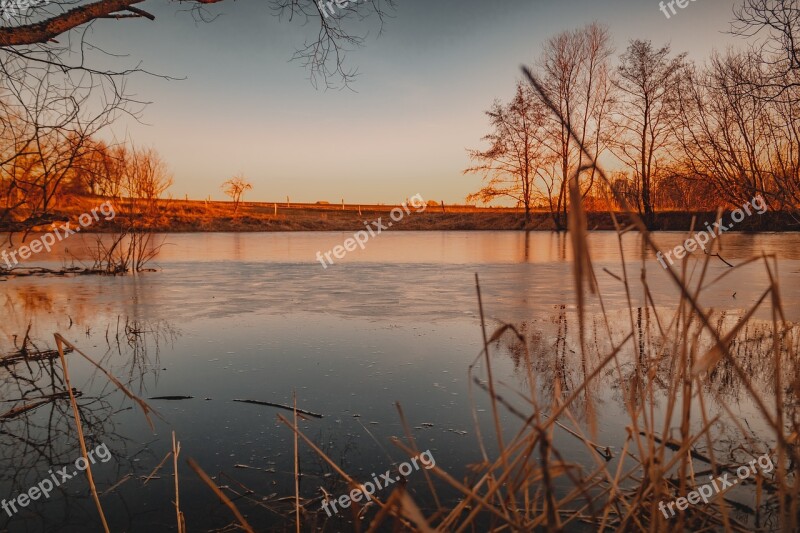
[
  {"x": 664, "y": 377},
  {"x": 221, "y": 495},
  {"x": 79, "y": 428},
  {"x": 665, "y": 367},
  {"x": 201, "y": 216},
  {"x": 179, "y": 518},
  {"x": 680, "y": 425}
]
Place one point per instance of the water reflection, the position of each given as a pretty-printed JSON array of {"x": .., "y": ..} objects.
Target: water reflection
[
  {"x": 460, "y": 247},
  {"x": 37, "y": 428},
  {"x": 554, "y": 349},
  {"x": 254, "y": 316},
  {"x": 646, "y": 378}
]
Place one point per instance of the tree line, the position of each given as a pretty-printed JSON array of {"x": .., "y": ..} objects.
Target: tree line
[
  {"x": 59, "y": 91},
  {"x": 682, "y": 135}
]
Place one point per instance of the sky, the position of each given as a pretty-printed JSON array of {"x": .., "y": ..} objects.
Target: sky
[{"x": 240, "y": 105}]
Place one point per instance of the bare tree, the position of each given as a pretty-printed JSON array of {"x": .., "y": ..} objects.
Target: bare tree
[
  {"x": 512, "y": 163},
  {"x": 37, "y": 32},
  {"x": 771, "y": 72},
  {"x": 597, "y": 130},
  {"x": 648, "y": 80},
  {"x": 773, "y": 28},
  {"x": 47, "y": 121},
  {"x": 54, "y": 96},
  {"x": 574, "y": 72},
  {"x": 738, "y": 138},
  {"x": 235, "y": 188},
  {"x": 92, "y": 169}
]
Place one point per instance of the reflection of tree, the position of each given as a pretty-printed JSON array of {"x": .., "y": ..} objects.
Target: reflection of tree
[
  {"x": 19, "y": 308},
  {"x": 37, "y": 431},
  {"x": 134, "y": 340},
  {"x": 43, "y": 439},
  {"x": 554, "y": 352},
  {"x": 645, "y": 380}
]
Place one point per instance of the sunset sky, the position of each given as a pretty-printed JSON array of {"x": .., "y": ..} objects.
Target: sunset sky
[{"x": 403, "y": 129}]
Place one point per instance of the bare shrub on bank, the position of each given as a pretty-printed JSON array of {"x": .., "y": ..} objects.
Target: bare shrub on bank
[{"x": 140, "y": 183}]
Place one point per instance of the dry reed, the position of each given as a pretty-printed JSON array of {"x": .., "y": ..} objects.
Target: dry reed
[{"x": 529, "y": 484}]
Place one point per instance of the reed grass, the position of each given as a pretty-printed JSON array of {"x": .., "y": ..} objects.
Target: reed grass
[
  {"x": 79, "y": 429},
  {"x": 679, "y": 428},
  {"x": 176, "y": 451},
  {"x": 221, "y": 495}
]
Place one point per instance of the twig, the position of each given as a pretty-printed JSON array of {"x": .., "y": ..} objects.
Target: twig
[
  {"x": 176, "y": 451},
  {"x": 720, "y": 258},
  {"x": 38, "y": 403},
  {"x": 280, "y": 406},
  {"x": 79, "y": 428},
  {"x": 207, "y": 480},
  {"x": 156, "y": 469}
]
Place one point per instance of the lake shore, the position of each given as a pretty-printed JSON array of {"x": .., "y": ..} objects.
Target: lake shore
[{"x": 181, "y": 216}]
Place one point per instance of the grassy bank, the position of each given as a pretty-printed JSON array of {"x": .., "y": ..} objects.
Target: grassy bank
[{"x": 179, "y": 216}]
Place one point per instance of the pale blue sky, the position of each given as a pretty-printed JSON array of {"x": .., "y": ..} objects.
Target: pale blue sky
[{"x": 417, "y": 105}]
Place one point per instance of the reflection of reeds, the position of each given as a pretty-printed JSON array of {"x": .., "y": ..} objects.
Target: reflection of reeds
[
  {"x": 679, "y": 371},
  {"x": 665, "y": 362},
  {"x": 146, "y": 409},
  {"x": 61, "y": 342},
  {"x": 296, "y": 468}
]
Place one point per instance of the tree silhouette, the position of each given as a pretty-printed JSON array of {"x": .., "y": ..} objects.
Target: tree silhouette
[
  {"x": 648, "y": 80},
  {"x": 512, "y": 163},
  {"x": 235, "y": 188}
]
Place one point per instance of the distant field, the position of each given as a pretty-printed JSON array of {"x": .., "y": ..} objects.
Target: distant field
[
  {"x": 190, "y": 215},
  {"x": 203, "y": 216}
]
